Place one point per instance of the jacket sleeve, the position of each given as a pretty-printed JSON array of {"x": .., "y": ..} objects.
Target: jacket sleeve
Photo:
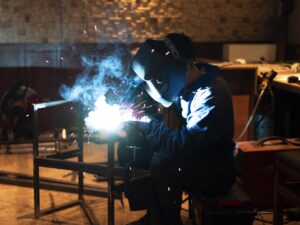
[
  {"x": 164, "y": 138},
  {"x": 206, "y": 126},
  {"x": 172, "y": 141}
]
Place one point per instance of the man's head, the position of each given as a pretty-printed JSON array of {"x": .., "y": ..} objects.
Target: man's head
[
  {"x": 162, "y": 65},
  {"x": 183, "y": 44}
]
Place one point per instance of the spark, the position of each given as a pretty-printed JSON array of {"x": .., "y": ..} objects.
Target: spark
[
  {"x": 110, "y": 117},
  {"x": 138, "y": 105},
  {"x": 179, "y": 169},
  {"x": 167, "y": 53},
  {"x": 107, "y": 117},
  {"x": 61, "y": 58},
  {"x": 84, "y": 31},
  {"x": 152, "y": 50},
  {"x": 102, "y": 115},
  {"x": 96, "y": 28},
  {"x": 169, "y": 189},
  {"x": 47, "y": 61},
  {"x": 147, "y": 107}
]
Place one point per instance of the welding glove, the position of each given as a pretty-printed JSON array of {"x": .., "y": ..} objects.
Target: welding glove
[
  {"x": 135, "y": 126},
  {"x": 133, "y": 131},
  {"x": 139, "y": 125}
]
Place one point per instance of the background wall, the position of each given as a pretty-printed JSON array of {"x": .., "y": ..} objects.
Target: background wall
[
  {"x": 52, "y": 21},
  {"x": 294, "y": 25}
]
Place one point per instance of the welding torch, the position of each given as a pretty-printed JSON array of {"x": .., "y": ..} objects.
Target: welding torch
[{"x": 267, "y": 79}]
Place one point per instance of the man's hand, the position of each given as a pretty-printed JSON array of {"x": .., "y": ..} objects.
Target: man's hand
[
  {"x": 129, "y": 131},
  {"x": 128, "y": 126},
  {"x": 133, "y": 129}
]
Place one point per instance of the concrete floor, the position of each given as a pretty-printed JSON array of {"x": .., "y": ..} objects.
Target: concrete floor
[{"x": 17, "y": 207}]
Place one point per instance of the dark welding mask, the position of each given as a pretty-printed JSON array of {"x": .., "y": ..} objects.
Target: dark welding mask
[{"x": 164, "y": 75}]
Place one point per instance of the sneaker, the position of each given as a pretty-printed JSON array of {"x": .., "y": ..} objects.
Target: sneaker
[{"x": 145, "y": 220}]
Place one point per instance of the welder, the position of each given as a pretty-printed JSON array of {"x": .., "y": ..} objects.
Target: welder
[
  {"x": 198, "y": 157},
  {"x": 16, "y": 111}
]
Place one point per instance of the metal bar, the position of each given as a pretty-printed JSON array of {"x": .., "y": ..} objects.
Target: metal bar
[
  {"x": 59, "y": 208},
  {"x": 52, "y": 210},
  {"x": 44, "y": 105},
  {"x": 71, "y": 165},
  {"x": 111, "y": 182},
  {"x": 92, "y": 168},
  {"x": 64, "y": 154},
  {"x": 52, "y": 184},
  {"x": 35, "y": 166},
  {"x": 119, "y": 171},
  {"x": 29, "y": 141},
  {"x": 80, "y": 156},
  {"x": 89, "y": 213}
]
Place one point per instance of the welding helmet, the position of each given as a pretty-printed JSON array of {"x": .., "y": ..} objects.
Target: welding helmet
[{"x": 163, "y": 73}]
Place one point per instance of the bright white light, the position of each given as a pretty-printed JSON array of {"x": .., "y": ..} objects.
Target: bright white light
[{"x": 107, "y": 117}]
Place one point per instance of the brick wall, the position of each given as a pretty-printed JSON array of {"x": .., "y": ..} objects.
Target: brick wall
[{"x": 52, "y": 21}]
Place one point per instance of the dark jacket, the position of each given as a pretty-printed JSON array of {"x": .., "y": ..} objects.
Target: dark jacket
[{"x": 207, "y": 109}]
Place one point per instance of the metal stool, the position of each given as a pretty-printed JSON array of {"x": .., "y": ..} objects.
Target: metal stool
[{"x": 287, "y": 183}]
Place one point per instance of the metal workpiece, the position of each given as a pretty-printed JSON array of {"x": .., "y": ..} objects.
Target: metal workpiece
[
  {"x": 57, "y": 160},
  {"x": 111, "y": 182}
]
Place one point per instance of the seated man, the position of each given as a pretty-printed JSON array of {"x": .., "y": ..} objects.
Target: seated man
[{"x": 198, "y": 157}]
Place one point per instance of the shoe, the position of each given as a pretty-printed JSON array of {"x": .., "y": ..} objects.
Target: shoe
[{"x": 145, "y": 220}]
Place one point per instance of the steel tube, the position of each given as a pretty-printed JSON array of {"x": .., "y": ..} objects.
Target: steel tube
[
  {"x": 111, "y": 182},
  {"x": 36, "y": 188},
  {"x": 43, "y": 105}
]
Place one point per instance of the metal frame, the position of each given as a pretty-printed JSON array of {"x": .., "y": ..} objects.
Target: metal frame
[
  {"x": 14, "y": 142},
  {"x": 56, "y": 160}
]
